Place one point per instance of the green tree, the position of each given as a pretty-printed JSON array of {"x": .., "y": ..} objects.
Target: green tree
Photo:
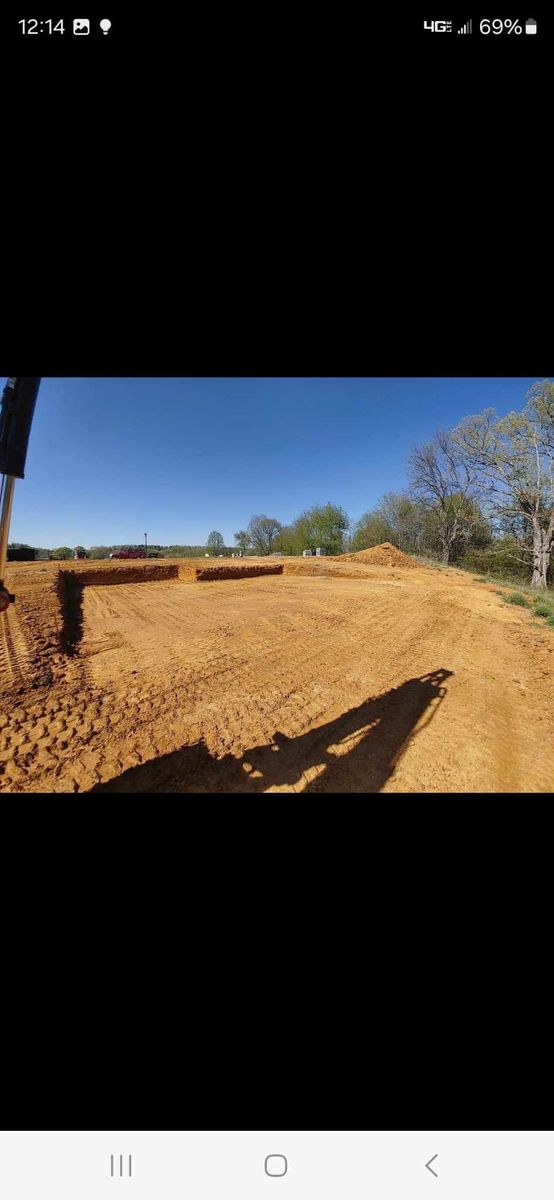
[
  {"x": 324, "y": 525},
  {"x": 100, "y": 551},
  {"x": 371, "y": 530},
  {"x": 215, "y": 542},
  {"x": 63, "y": 552},
  {"x": 514, "y": 458},
  {"x": 242, "y": 539},
  {"x": 287, "y": 540},
  {"x": 262, "y": 532},
  {"x": 502, "y": 557}
]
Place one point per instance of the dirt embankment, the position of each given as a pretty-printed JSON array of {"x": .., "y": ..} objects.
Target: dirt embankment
[
  {"x": 238, "y": 572},
  {"x": 31, "y": 630},
  {"x": 110, "y": 573}
]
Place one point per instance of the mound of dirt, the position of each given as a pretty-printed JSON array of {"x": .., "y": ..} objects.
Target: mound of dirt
[{"x": 385, "y": 555}]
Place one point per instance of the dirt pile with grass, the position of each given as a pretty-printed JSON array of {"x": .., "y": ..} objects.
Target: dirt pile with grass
[{"x": 385, "y": 555}]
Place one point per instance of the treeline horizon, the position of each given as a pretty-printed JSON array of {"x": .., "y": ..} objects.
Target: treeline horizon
[{"x": 480, "y": 496}]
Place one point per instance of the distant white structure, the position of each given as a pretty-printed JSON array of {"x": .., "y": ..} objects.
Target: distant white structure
[
  {"x": 320, "y": 551},
  {"x": 307, "y": 553}
]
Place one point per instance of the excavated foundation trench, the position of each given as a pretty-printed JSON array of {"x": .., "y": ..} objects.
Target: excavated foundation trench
[
  {"x": 208, "y": 573},
  {"x": 142, "y": 574},
  {"x": 73, "y": 584}
]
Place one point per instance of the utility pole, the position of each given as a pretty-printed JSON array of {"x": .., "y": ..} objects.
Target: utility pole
[
  {"x": 16, "y": 415},
  {"x": 145, "y": 545}
]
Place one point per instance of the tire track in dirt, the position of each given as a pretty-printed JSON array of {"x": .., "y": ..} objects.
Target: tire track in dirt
[
  {"x": 488, "y": 750},
  {"x": 261, "y": 700},
  {"x": 14, "y": 653},
  {"x": 298, "y": 683},
  {"x": 304, "y": 710}
]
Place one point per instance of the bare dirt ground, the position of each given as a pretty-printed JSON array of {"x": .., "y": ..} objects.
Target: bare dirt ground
[{"x": 333, "y": 676}]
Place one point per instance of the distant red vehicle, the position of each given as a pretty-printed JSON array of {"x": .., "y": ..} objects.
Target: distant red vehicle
[{"x": 128, "y": 553}]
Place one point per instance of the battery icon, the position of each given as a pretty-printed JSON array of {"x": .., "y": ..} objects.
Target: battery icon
[{"x": 530, "y": 26}]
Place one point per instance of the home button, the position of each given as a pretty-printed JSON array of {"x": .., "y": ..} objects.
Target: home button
[{"x": 276, "y": 1164}]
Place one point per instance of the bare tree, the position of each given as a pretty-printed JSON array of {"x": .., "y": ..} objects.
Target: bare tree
[
  {"x": 408, "y": 521},
  {"x": 263, "y": 531},
  {"x": 443, "y": 480},
  {"x": 514, "y": 457}
]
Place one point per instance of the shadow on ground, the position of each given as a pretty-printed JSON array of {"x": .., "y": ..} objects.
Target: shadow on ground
[
  {"x": 369, "y": 741},
  {"x": 71, "y": 603}
]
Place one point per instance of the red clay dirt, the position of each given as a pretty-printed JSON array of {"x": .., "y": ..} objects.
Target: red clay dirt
[
  {"x": 385, "y": 555},
  {"x": 336, "y": 675},
  {"x": 230, "y": 571}
]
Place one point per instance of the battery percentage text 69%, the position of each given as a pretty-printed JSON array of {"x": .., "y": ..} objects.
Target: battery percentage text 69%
[{"x": 498, "y": 26}]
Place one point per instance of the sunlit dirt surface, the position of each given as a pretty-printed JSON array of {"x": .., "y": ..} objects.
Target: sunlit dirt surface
[{"x": 336, "y": 678}]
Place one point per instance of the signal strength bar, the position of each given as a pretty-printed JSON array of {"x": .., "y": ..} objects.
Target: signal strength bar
[{"x": 467, "y": 28}]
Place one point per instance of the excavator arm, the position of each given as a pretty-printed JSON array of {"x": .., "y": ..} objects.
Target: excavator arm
[{"x": 16, "y": 416}]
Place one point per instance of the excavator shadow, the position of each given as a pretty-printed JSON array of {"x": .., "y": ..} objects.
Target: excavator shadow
[
  {"x": 71, "y": 605},
  {"x": 356, "y": 752}
]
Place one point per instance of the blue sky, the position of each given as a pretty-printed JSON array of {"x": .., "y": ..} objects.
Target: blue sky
[{"x": 111, "y": 459}]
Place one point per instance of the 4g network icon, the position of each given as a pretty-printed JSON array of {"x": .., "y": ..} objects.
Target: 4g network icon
[{"x": 438, "y": 26}]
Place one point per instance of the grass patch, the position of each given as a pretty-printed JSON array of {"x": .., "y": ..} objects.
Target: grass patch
[
  {"x": 550, "y": 621},
  {"x": 517, "y": 598},
  {"x": 426, "y": 560},
  {"x": 542, "y": 610},
  {"x": 509, "y": 580},
  {"x": 544, "y": 600},
  {"x": 505, "y": 579}
]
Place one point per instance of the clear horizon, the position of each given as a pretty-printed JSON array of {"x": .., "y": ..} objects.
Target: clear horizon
[{"x": 109, "y": 459}]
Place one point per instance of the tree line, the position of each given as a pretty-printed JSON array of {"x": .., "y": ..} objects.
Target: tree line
[
  {"x": 323, "y": 525},
  {"x": 480, "y": 494}
]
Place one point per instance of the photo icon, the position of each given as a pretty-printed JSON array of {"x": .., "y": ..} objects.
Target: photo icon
[{"x": 81, "y": 25}]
